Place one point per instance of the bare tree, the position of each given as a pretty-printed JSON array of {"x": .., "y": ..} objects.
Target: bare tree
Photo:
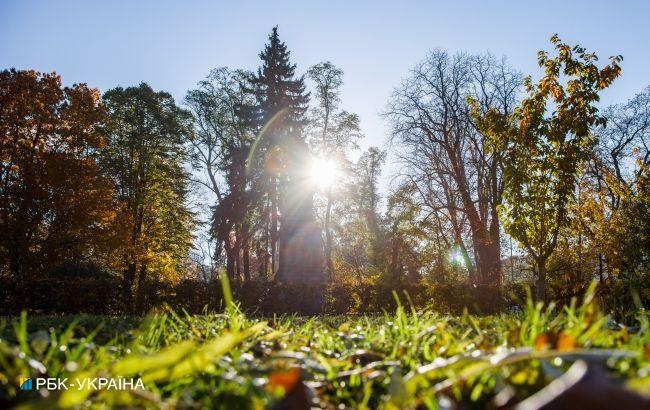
[
  {"x": 624, "y": 144},
  {"x": 219, "y": 147},
  {"x": 444, "y": 154}
]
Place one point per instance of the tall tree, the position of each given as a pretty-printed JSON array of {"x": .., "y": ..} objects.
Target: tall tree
[
  {"x": 145, "y": 157},
  {"x": 55, "y": 206},
  {"x": 280, "y": 117},
  {"x": 445, "y": 154},
  {"x": 219, "y": 149},
  {"x": 367, "y": 199},
  {"x": 545, "y": 142},
  {"x": 333, "y": 133}
]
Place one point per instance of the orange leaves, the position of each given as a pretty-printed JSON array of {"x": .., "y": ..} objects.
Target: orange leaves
[
  {"x": 284, "y": 380},
  {"x": 565, "y": 342},
  {"x": 48, "y": 134},
  {"x": 542, "y": 342},
  {"x": 558, "y": 341}
]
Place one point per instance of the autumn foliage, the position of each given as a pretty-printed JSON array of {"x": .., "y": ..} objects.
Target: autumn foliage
[{"x": 56, "y": 205}]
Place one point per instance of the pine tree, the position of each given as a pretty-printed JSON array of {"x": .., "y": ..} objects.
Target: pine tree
[
  {"x": 279, "y": 115},
  {"x": 281, "y": 98}
]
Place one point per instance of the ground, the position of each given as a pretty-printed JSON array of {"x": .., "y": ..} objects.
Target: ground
[{"x": 405, "y": 359}]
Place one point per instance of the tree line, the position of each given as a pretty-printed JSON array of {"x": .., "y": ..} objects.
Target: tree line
[{"x": 136, "y": 186}]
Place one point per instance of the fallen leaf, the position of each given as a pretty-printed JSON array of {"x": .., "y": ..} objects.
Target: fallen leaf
[
  {"x": 565, "y": 342},
  {"x": 286, "y": 380}
]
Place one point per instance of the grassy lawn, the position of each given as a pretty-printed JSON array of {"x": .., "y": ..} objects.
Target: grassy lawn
[{"x": 399, "y": 360}]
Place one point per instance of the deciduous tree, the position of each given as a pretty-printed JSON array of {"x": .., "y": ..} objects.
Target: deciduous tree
[
  {"x": 145, "y": 157},
  {"x": 333, "y": 133},
  {"x": 55, "y": 206},
  {"x": 544, "y": 143}
]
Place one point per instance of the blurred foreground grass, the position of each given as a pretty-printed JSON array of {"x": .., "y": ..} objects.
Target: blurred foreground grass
[{"x": 405, "y": 359}]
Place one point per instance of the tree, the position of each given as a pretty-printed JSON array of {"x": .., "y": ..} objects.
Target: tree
[
  {"x": 545, "y": 142},
  {"x": 144, "y": 156},
  {"x": 366, "y": 198},
  {"x": 613, "y": 206},
  {"x": 445, "y": 155},
  {"x": 623, "y": 147},
  {"x": 55, "y": 206},
  {"x": 334, "y": 132},
  {"x": 219, "y": 149},
  {"x": 408, "y": 237},
  {"x": 279, "y": 115}
]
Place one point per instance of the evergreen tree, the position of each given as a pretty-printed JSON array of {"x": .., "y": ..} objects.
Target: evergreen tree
[
  {"x": 281, "y": 98},
  {"x": 279, "y": 116}
]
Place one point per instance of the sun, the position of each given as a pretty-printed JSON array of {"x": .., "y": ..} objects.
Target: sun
[{"x": 323, "y": 172}]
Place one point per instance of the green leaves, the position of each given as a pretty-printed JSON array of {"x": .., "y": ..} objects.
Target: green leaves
[{"x": 543, "y": 151}]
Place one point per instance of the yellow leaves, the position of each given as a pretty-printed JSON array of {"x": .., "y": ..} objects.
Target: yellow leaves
[{"x": 165, "y": 357}]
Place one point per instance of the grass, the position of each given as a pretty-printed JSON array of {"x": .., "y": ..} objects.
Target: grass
[{"x": 404, "y": 359}]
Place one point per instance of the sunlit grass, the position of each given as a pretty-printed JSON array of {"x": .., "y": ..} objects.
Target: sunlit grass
[{"x": 395, "y": 360}]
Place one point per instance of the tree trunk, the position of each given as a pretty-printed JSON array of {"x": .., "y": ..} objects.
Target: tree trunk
[
  {"x": 246, "y": 251},
  {"x": 238, "y": 267},
  {"x": 142, "y": 279},
  {"x": 485, "y": 239},
  {"x": 601, "y": 276},
  {"x": 230, "y": 260},
  {"x": 489, "y": 263},
  {"x": 265, "y": 256},
  {"x": 540, "y": 286},
  {"x": 328, "y": 234},
  {"x": 394, "y": 260},
  {"x": 127, "y": 287},
  {"x": 274, "y": 226}
]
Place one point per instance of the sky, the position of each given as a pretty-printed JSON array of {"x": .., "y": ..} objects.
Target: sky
[{"x": 173, "y": 45}]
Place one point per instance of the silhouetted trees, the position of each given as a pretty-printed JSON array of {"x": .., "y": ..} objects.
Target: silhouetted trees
[{"x": 219, "y": 148}]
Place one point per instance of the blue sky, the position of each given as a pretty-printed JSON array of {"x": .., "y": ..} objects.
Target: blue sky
[{"x": 173, "y": 45}]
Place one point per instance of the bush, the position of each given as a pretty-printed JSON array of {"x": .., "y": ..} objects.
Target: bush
[{"x": 83, "y": 289}]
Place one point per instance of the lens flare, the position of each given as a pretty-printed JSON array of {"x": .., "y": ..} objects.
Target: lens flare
[
  {"x": 456, "y": 258},
  {"x": 324, "y": 172}
]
